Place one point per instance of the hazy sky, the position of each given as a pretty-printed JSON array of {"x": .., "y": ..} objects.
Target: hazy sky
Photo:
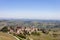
[{"x": 32, "y": 9}]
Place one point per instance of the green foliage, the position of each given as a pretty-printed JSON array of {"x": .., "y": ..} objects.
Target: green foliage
[
  {"x": 27, "y": 39},
  {"x": 26, "y": 33},
  {"x": 19, "y": 37},
  {"x": 45, "y": 31},
  {"x": 35, "y": 33},
  {"x": 4, "y": 29},
  {"x": 22, "y": 36}
]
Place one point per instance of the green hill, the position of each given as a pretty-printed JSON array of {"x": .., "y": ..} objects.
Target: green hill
[{"x": 5, "y": 36}]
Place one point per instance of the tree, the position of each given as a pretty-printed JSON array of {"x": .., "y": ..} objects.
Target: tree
[{"x": 4, "y": 29}]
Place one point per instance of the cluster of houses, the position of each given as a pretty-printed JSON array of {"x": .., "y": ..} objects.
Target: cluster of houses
[{"x": 21, "y": 30}]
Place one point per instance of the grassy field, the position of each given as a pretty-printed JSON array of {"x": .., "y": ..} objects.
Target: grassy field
[
  {"x": 44, "y": 37},
  {"x": 41, "y": 37},
  {"x": 5, "y": 36}
]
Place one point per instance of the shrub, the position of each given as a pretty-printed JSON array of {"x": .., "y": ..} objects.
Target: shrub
[
  {"x": 22, "y": 36},
  {"x": 44, "y": 31},
  {"x": 35, "y": 33},
  {"x": 4, "y": 29}
]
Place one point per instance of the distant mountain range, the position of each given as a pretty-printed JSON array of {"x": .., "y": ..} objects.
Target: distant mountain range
[
  {"x": 39, "y": 20},
  {"x": 32, "y": 22}
]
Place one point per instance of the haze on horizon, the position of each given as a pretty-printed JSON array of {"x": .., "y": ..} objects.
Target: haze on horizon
[{"x": 30, "y": 9}]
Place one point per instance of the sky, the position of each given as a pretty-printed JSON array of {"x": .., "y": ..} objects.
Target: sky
[{"x": 30, "y": 9}]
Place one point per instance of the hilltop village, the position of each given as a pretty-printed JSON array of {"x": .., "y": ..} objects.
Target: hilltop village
[
  {"x": 21, "y": 30},
  {"x": 31, "y": 30}
]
